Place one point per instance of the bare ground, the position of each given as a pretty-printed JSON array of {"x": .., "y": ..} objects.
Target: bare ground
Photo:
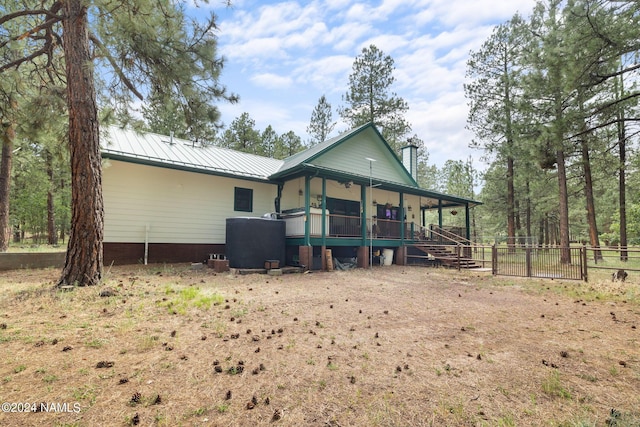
[{"x": 392, "y": 346}]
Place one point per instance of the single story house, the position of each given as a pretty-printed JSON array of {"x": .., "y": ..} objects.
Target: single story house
[{"x": 168, "y": 200}]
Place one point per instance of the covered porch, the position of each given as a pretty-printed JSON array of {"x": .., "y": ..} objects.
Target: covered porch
[{"x": 359, "y": 217}]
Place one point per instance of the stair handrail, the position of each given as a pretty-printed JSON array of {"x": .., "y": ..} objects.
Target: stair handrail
[{"x": 438, "y": 231}]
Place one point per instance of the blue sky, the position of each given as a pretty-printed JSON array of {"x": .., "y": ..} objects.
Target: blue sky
[{"x": 281, "y": 56}]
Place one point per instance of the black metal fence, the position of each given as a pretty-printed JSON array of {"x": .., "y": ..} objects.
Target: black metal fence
[
  {"x": 552, "y": 262},
  {"x": 546, "y": 262},
  {"x": 613, "y": 259}
]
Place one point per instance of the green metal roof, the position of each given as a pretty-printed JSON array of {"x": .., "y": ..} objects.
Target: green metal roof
[
  {"x": 174, "y": 153},
  {"x": 164, "y": 151}
]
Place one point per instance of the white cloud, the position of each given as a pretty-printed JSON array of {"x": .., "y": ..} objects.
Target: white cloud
[
  {"x": 255, "y": 50},
  {"x": 326, "y": 73},
  {"x": 388, "y": 43},
  {"x": 344, "y": 38},
  {"x": 282, "y": 56},
  {"x": 470, "y": 13},
  {"x": 271, "y": 81}
]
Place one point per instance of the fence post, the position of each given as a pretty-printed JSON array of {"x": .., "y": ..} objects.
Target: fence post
[
  {"x": 585, "y": 273},
  {"x": 527, "y": 257},
  {"x": 494, "y": 260},
  {"x": 459, "y": 250}
]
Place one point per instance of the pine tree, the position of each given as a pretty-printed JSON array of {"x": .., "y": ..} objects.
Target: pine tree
[
  {"x": 546, "y": 91},
  {"x": 269, "y": 141},
  {"x": 8, "y": 118},
  {"x": 321, "y": 124},
  {"x": 242, "y": 136},
  {"x": 288, "y": 144},
  {"x": 142, "y": 47},
  {"x": 8, "y": 138},
  {"x": 369, "y": 98},
  {"x": 493, "y": 90}
]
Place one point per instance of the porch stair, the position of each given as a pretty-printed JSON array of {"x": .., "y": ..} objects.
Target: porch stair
[{"x": 446, "y": 256}]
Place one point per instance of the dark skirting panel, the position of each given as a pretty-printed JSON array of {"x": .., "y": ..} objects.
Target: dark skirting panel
[{"x": 133, "y": 253}]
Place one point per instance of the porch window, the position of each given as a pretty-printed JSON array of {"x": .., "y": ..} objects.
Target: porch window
[{"x": 243, "y": 199}]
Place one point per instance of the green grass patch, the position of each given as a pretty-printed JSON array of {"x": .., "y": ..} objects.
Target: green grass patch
[
  {"x": 85, "y": 393},
  {"x": 552, "y": 385},
  {"x": 191, "y": 297},
  {"x": 95, "y": 343}
]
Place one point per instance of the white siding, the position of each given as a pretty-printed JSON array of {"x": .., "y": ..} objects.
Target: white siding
[
  {"x": 176, "y": 206},
  {"x": 291, "y": 197}
]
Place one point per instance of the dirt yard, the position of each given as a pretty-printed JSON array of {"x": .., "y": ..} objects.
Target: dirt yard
[{"x": 392, "y": 346}]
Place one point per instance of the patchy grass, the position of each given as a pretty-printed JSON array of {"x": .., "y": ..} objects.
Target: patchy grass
[
  {"x": 169, "y": 346},
  {"x": 552, "y": 386}
]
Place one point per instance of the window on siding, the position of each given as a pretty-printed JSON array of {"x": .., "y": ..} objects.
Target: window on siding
[{"x": 243, "y": 200}]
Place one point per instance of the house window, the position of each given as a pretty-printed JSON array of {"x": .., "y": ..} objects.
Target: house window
[{"x": 243, "y": 199}]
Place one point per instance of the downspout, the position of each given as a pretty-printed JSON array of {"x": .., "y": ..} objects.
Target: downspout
[
  {"x": 146, "y": 244},
  {"x": 276, "y": 202}
]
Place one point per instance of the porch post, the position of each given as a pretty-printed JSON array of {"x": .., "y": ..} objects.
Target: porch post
[
  {"x": 402, "y": 219},
  {"x": 363, "y": 215},
  {"x": 440, "y": 219},
  {"x": 467, "y": 221},
  {"x": 324, "y": 211},
  {"x": 307, "y": 211},
  {"x": 363, "y": 255},
  {"x": 323, "y": 227}
]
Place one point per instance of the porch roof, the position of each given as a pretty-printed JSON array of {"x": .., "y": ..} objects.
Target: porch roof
[{"x": 324, "y": 172}]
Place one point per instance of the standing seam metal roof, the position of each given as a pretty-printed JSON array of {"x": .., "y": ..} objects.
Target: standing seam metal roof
[{"x": 175, "y": 152}]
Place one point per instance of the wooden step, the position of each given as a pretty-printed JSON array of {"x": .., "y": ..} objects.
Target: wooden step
[{"x": 446, "y": 257}]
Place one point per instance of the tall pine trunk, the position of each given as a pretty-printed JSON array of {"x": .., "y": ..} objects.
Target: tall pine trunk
[
  {"x": 8, "y": 137},
  {"x": 511, "y": 197},
  {"x": 511, "y": 210},
  {"x": 83, "y": 263},
  {"x": 622, "y": 192},
  {"x": 563, "y": 214},
  {"x": 528, "y": 214},
  {"x": 594, "y": 239},
  {"x": 52, "y": 236}
]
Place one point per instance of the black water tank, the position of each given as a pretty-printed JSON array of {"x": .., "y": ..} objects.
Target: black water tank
[{"x": 252, "y": 241}]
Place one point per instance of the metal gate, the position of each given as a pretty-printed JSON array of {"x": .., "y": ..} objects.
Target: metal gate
[{"x": 548, "y": 263}]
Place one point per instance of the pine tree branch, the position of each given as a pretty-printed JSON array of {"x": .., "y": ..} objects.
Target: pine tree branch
[
  {"x": 48, "y": 37},
  {"x": 603, "y": 125},
  {"x": 115, "y": 66},
  {"x": 52, "y": 14},
  {"x": 47, "y": 25},
  {"x": 15, "y": 64},
  {"x": 603, "y": 77}
]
